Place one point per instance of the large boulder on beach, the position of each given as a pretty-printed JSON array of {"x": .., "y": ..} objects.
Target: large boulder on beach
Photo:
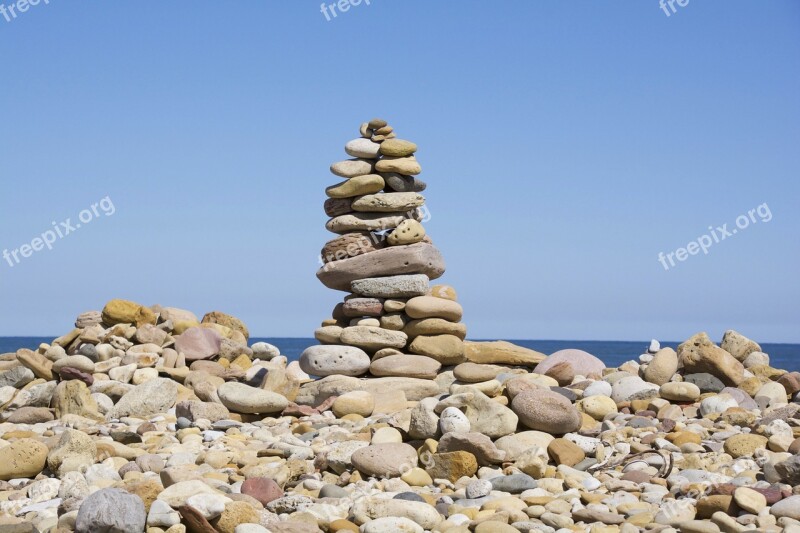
[
  {"x": 738, "y": 345},
  {"x": 699, "y": 354}
]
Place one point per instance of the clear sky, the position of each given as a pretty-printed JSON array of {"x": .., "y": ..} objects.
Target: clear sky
[{"x": 565, "y": 144}]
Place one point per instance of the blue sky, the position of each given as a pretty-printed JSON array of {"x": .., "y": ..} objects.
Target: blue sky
[{"x": 565, "y": 145}]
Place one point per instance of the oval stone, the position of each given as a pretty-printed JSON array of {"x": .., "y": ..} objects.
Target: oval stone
[{"x": 332, "y": 360}]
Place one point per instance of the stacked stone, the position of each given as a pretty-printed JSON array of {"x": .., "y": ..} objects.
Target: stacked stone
[{"x": 393, "y": 322}]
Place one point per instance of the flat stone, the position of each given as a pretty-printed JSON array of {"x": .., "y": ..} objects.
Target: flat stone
[
  {"x": 478, "y": 444},
  {"x": 515, "y": 483},
  {"x": 397, "y": 148},
  {"x": 362, "y": 307},
  {"x": 435, "y": 326},
  {"x": 357, "y": 186},
  {"x": 403, "y": 286},
  {"x": 363, "y": 148},
  {"x": 367, "y": 221},
  {"x": 352, "y": 168},
  {"x": 501, "y": 353},
  {"x": 350, "y": 245},
  {"x": 241, "y": 398},
  {"x": 417, "y": 258},
  {"x": 316, "y": 392},
  {"x": 408, "y": 166},
  {"x": 432, "y": 307},
  {"x": 389, "y": 202},
  {"x": 409, "y": 366},
  {"x": 372, "y": 339}
]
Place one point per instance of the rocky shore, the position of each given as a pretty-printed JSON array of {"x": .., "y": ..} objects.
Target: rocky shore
[{"x": 148, "y": 418}]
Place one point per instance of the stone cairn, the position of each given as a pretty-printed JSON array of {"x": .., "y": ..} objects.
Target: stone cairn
[{"x": 385, "y": 259}]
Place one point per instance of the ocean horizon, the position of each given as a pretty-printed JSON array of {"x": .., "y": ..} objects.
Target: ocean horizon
[{"x": 612, "y": 353}]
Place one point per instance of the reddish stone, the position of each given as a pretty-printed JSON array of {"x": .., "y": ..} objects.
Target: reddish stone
[
  {"x": 299, "y": 410},
  {"x": 194, "y": 521},
  {"x": 262, "y": 489},
  {"x": 327, "y": 404},
  {"x": 358, "y": 307},
  {"x": 67, "y": 373},
  {"x": 790, "y": 382}
]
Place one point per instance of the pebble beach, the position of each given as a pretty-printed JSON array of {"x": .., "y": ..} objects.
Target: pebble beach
[{"x": 148, "y": 418}]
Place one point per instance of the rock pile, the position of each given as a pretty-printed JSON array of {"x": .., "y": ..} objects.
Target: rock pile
[
  {"x": 148, "y": 419},
  {"x": 384, "y": 258}
]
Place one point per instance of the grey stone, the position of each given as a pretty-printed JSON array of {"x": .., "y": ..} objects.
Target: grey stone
[
  {"x": 514, "y": 483},
  {"x": 404, "y": 286},
  {"x": 17, "y": 377},
  {"x": 706, "y": 382},
  {"x": 401, "y": 183},
  {"x": 150, "y": 398},
  {"x": 111, "y": 511}
]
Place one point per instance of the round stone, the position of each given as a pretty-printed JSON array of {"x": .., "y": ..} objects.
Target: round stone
[
  {"x": 111, "y": 510},
  {"x": 409, "y": 231},
  {"x": 355, "y": 402},
  {"x": 680, "y": 392},
  {"x": 547, "y": 411},
  {"x": 385, "y": 460},
  {"x": 662, "y": 367},
  {"x": 453, "y": 420}
]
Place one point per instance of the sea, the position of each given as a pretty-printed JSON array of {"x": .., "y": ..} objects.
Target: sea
[{"x": 612, "y": 353}]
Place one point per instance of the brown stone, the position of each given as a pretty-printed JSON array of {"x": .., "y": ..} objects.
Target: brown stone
[
  {"x": 417, "y": 258},
  {"x": 229, "y": 321},
  {"x": 565, "y": 452},
  {"x": 363, "y": 307},
  {"x": 700, "y": 355},
  {"x": 452, "y": 465},
  {"x": 338, "y": 206}
]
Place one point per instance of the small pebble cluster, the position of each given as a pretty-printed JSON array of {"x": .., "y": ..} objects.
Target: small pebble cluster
[{"x": 148, "y": 419}]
